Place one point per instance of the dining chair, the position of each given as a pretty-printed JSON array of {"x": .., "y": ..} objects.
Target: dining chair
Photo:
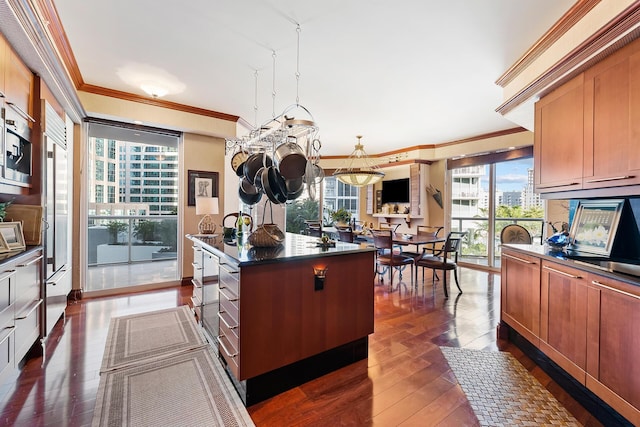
[
  {"x": 387, "y": 226},
  {"x": 514, "y": 233},
  {"x": 314, "y": 228},
  {"x": 442, "y": 260},
  {"x": 429, "y": 230},
  {"x": 345, "y": 234},
  {"x": 387, "y": 257}
]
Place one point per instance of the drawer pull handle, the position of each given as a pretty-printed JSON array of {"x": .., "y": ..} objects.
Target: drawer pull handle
[
  {"x": 595, "y": 282},
  {"x": 30, "y": 262},
  {"x": 8, "y": 274},
  {"x": 525, "y": 261},
  {"x": 219, "y": 339},
  {"x": 196, "y": 248},
  {"x": 195, "y": 283},
  {"x": 20, "y": 111},
  {"x": 36, "y": 304},
  {"x": 227, "y": 296},
  {"x": 196, "y": 266},
  {"x": 558, "y": 185},
  {"x": 225, "y": 322},
  {"x": 562, "y": 272},
  {"x": 613, "y": 178},
  {"x": 9, "y": 330}
]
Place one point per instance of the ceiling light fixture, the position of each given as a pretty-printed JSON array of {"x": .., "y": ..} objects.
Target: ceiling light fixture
[
  {"x": 358, "y": 170},
  {"x": 154, "y": 90}
]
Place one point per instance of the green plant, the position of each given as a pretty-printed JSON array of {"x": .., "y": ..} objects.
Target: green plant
[
  {"x": 115, "y": 228},
  {"x": 168, "y": 231},
  {"x": 145, "y": 231},
  {"x": 3, "y": 209},
  {"x": 341, "y": 215}
]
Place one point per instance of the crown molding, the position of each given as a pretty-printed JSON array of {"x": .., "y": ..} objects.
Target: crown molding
[
  {"x": 564, "y": 24},
  {"x": 619, "y": 32}
]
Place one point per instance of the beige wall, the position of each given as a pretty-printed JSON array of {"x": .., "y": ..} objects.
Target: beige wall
[{"x": 201, "y": 153}]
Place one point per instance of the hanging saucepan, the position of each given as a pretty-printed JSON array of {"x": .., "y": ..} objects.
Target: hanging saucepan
[
  {"x": 290, "y": 159},
  {"x": 248, "y": 187},
  {"x": 255, "y": 162},
  {"x": 249, "y": 199},
  {"x": 257, "y": 181},
  {"x": 295, "y": 187},
  {"x": 274, "y": 185}
]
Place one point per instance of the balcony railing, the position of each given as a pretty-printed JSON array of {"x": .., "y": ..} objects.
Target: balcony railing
[
  {"x": 131, "y": 239},
  {"x": 476, "y": 244}
]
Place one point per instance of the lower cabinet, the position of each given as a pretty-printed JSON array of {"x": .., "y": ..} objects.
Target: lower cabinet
[
  {"x": 520, "y": 293},
  {"x": 588, "y": 324},
  {"x": 613, "y": 344},
  {"x": 563, "y": 317},
  {"x": 20, "y": 309}
]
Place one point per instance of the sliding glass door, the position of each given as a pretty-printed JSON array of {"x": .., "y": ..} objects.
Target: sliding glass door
[{"x": 488, "y": 193}]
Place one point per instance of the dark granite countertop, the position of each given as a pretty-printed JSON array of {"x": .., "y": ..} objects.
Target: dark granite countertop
[
  {"x": 624, "y": 270},
  {"x": 295, "y": 246}
]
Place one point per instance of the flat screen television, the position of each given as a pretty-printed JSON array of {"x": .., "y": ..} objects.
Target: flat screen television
[{"x": 395, "y": 191}]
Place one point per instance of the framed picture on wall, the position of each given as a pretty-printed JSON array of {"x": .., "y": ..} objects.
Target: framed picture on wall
[
  {"x": 594, "y": 226},
  {"x": 201, "y": 184}
]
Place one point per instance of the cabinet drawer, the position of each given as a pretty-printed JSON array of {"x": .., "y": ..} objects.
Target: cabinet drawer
[
  {"x": 230, "y": 356},
  {"x": 7, "y": 298},
  {"x": 27, "y": 328},
  {"x": 229, "y": 303},
  {"x": 7, "y": 340},
  {"x": 197, "y": 292},
  {"x": 230, "y": 329},
  {"x": 229, "y": 278}
]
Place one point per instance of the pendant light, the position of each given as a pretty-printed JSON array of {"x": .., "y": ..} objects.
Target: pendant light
[{"x": 358, "y": 170}]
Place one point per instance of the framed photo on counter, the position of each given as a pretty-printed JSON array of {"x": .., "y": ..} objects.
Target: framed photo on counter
[
  {"x": 12, "y": 235},
  {"x": 594, "y": 226}
]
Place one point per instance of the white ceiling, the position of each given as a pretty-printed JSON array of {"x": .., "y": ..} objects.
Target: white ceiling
[{"x": 400, "y": 73}]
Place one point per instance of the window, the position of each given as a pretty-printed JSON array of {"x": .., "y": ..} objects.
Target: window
[
  {"x": 111, "y": 172},
  {"x": 99, "y": 193},
  {"x": 99, "y": 148},
  {"x": 112, "y": 149},
  {"x": 99, "y": 170},
  {"x": 111, "y": 194}
]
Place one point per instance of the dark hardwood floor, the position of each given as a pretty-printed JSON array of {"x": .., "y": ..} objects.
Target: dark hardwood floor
[{"x": 405, "y": 381}]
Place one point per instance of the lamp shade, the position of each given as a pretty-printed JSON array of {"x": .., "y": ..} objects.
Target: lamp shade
[
  {"x": 359, "y": 170},
  {"x": 206, "y": 206}
]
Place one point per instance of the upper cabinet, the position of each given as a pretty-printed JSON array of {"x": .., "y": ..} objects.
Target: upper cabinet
[
  {"x": 558, "y": 138},
  {"x": 612, "y": 120},
  {"x": 587, "y": 131}
]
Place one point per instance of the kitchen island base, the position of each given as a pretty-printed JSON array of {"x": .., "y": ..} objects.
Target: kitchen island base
[{"x": 269, "y": 384}]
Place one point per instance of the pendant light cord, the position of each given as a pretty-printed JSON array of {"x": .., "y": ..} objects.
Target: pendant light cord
[{"x": 298, "y": 67}]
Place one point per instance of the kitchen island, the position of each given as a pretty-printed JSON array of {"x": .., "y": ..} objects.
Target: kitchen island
[{"x": 276, "y": 322}]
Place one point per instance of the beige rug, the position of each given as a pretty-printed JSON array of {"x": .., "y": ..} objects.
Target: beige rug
[
  {"x": 186, "y": 389},
  {"x": 144, "y": 337},
  {"x": 158, "y": 370},
  {"x": 502, "y": 392}
]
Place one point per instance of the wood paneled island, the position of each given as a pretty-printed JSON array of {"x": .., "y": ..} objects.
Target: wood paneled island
[{"x": 274, "y": 324}]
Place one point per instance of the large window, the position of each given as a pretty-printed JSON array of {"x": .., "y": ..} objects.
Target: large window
[{"x": 487, "y": 193}]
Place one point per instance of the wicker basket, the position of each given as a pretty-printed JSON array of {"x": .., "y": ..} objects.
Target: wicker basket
[{"x": 266, "y": 235}]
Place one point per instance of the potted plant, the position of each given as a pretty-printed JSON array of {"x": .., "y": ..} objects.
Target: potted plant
[{"x": 341, "y": 217}]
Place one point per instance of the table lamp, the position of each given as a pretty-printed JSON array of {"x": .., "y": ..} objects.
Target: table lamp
[{"x": 206, "y": 206}]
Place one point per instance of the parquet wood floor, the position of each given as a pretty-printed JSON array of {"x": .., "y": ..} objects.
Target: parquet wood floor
[{"x": 405, "y": 381}]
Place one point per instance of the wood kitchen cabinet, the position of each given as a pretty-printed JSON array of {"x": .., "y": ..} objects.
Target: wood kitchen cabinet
[
  {"x": 612, "y": 120},
  {"x": 18, "y": 85},
  {"x": 520, "y": 293},
  {"x": 563, "y": 317},
  {"x": 613, "y": 344},
  {"x": 415, "y": 208},
  {"x": 558, "y": 138}
]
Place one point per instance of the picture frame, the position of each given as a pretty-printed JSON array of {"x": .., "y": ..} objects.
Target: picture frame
[
  {"x": 12, "y": 235},
  {"x": 201, "y": 184},
  {"x": 594, "y": 226}
]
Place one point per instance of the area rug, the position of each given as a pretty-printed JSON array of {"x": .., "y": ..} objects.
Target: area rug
[
  {"x": 502, "y": 392},
  {"x": 186, "y": 389},
  {"x": 147, "y": 336}
]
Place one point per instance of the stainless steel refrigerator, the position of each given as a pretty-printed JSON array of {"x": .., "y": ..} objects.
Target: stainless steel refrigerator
[{"x": 57, "y": 271}]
